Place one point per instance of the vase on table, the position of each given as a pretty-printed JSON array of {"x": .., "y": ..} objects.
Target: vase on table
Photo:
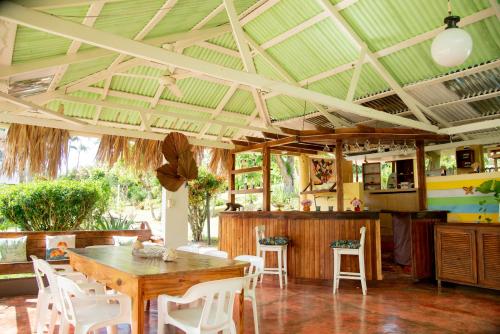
[{"x": 306, "y": 208}]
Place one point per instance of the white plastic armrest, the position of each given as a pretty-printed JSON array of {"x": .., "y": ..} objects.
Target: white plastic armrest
[
  {"x": 74, "y": 276},
  {"x": 123, "y": 300},
  {"x": 179, "y": 300},
  {"x": 99, "y": 289}
]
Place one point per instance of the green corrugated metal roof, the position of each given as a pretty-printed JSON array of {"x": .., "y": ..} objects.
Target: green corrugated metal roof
[{"x": 314, "y": 50}]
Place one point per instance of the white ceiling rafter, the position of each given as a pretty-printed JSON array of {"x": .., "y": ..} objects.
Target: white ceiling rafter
[
  {"x": 105, "y": 130},
  {"x": 49, "y": 4},
  {"x": 173, "y": 104},
  {"x": 295, "y": 30},
  {"x": 7, "y": 40},
  {"x": 349, "y": 32},
  {"x": 496, "y": 7},
  {"x": 159, "y": 112},
  {"x": 410, "y": 87},
  {"x": 189, "y": 37},
  {"x": 476, "y": 126},
  {"x": 336, "y": 121},
  {"x": 356, "y": 75},
  {"x": 220, "y": 107},
  {"x": 159, "y": 15},
  {"x": 473, "y": 18},
  {"x": 31, "y": 106},
  {"x": 89, "y": 20},
  {"x": 246, "y": 57},
  {"x": 54, "y": 25}
]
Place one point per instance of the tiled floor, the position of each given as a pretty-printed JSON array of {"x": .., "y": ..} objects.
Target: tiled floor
[{"x": 391, "y": 306}]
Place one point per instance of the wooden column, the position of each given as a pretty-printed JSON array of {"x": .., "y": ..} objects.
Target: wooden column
[
  {"x": 266, "y": 178},
  {"x": 231, "y": 179},
  {"x": 304, "y": 176},
  {"x": 422, "y": 187},
  {"x": 338, "y": 172}
]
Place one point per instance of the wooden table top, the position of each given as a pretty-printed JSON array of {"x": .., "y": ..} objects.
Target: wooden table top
[{"x": 121, "y": 258}]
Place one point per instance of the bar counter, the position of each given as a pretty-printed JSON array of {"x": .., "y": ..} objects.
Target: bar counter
[{"x": 309, "y": 254}]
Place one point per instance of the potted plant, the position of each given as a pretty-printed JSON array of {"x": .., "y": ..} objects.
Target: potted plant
[
  {"x": 356, "y": 203},
  {"x": 306, "y": 205}
]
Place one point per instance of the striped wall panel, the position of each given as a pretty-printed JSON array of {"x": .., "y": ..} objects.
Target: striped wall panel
[{"x": 457, "y": 194}]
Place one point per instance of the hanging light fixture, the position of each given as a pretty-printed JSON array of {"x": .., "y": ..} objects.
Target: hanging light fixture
[
  {"x": 453, "y": 45},
  {"x": 326, "y": 148}
]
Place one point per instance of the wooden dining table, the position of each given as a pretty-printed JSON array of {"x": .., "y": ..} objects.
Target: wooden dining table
[{"x": 145, "y": 278}]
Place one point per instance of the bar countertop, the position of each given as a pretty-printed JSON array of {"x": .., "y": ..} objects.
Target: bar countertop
[{"x": 329, "y": 214}]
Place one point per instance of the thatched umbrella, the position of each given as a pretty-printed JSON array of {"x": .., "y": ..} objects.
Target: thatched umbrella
[
  {"x": 220, "y": 161},
  {"x": 34, "y": 149}
]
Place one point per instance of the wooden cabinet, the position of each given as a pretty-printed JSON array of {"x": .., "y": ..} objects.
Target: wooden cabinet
[
  {"x": 371, "y": 176},
  {"x": 468, "y": 254}
]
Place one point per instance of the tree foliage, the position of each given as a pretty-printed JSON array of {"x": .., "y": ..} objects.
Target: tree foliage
[
  {"x": 53, "y": 205},
  {"x": 206, "y": 185}
]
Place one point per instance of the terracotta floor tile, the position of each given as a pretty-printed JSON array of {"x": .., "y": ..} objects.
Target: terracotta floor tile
[{"x": 391, "y": 306}]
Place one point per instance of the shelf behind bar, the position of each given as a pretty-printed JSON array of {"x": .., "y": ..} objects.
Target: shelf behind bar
[{"x": 247, "y": 170}]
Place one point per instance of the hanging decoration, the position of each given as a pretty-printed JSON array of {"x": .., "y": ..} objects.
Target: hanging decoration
[
  {"x": 453, "y": 46},
  {"x": 181, "y": 165}
]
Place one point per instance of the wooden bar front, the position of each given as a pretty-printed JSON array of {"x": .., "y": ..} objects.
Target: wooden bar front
[{"x": 309, "y": 254}]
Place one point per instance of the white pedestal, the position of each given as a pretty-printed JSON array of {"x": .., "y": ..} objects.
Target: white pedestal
[{"x": 175, "y": 216}]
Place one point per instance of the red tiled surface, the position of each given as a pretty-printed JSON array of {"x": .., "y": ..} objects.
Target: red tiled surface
[{"x": 391, "y": 306}]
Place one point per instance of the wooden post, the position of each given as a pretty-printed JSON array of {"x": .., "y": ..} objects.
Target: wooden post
[
  {"x": 304, "y": 174},
  {"x": 422, "y": 187},
  {"x": 231, "y": 179},
  {"x": 266, "y": 178},
  {"x": 338, "y": 171}
]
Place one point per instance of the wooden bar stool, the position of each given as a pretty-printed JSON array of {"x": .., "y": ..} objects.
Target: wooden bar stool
[
  {"x": 272, "y": 244},
  {"x": 349, "y": 247}
]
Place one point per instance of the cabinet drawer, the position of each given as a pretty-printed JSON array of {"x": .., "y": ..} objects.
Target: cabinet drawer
[{"x": 456, "y": 255}]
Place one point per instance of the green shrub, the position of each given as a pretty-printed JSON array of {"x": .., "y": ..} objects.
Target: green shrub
[{"x": 53, "y": 205}]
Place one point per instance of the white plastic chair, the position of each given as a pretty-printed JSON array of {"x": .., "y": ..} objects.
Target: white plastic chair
[
  {"x": 337, "y": 256},
  {"x": 212, "y": 314},
  {"x": 252, "y": 277},
  {"x": 280, "y": 250},
  {"x": 90, "y": 312},
  {"x": 47, "y": 294},
  {"x": 217, "y": 253}
]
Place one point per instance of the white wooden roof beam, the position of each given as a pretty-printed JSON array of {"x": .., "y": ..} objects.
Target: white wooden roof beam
[
  {"x": 473, "y": 18},
  {"x": 179, "y": 105},
  {"x": 246, "y": 57},
  {"x": 54, "y": 25},
  {"x": 7, "y": 40},
  {"x": 342, "y": 24},
  {"x": 220, "y": 107},
  {"x": 104, "y": 130},
  {"x": 356, "y": 75},
  {"x": 91, "y": 16},
  {"x": 31, "y": 106},
  {"x": 158, "y": 112},
  {"x": 336, "y": 121},
  {"x": 48, "y": 4},
  {"x": 86, "y": 55},
  {"x": 476, "y": 126}
]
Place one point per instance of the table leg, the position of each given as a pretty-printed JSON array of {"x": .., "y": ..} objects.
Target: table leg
[
  {"x": 137, "y": 314},
  {"x": 241, "y": 327}
]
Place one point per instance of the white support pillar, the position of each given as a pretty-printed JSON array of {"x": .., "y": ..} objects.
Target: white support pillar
[{"x": 174, "y": 216}]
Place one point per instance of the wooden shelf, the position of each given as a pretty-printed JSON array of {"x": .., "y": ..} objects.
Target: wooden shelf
[
  {"x": 247, "y": 191},
  {"x": 247, "y": 170}
]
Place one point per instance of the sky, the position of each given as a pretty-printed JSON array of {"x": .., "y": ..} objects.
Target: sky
[{"x": 87, "y": 157}]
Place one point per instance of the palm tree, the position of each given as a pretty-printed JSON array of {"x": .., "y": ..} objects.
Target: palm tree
[{"x": 81, "y": 148}]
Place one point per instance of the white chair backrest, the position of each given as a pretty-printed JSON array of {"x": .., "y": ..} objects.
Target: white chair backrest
[
  {"x": 98, "y": 246},
  {"x": 217, "y": 253},
  {"x": 50, "y": 274},
  {"x": 253, "y": 272},
  {"x": 362, "y": 240},
  {"x": 218, "y": 297},
  {"x": 38, "y": 274},
  {"x": 67, "y": 290},
  {"x": 188, "y": 248}
]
